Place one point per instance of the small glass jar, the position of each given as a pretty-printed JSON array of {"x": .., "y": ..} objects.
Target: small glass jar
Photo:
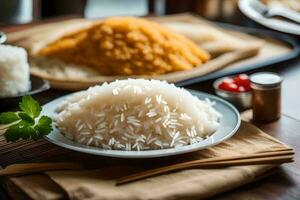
[{"x": 266, "y": 96}]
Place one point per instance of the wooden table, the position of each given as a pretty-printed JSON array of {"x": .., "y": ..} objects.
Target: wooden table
[{"x": 284, "y": 184}]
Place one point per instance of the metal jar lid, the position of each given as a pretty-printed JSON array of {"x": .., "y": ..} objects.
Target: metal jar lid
[{"x": 265, "y": 79}]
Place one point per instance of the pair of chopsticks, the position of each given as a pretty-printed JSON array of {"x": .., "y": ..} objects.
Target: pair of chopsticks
[{"x": 278, "y": 157}]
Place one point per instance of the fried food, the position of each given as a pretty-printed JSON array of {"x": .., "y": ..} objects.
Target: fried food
[{"x": 127, "y": 46}]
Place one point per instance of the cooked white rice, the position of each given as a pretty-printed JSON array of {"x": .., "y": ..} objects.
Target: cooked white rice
[
  {"x": 136, "y": 114},
  {"x": 14, "y": 71}
]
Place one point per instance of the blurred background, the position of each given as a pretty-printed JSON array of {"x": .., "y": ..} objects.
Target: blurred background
[{"x": 24, "y": 11}]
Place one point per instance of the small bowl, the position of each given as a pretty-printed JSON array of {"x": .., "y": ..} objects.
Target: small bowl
[
  {"x": 38, "y": 85},
  {"x": 242, "y": 100}
]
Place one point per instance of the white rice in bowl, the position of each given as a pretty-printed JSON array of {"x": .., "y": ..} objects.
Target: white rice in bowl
[
  {"x": 14, "y": 71},
  {"x": 136, "y": 114}
]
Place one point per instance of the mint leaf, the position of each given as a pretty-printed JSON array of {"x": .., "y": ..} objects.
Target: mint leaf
[
  {"x": 44, "y": 125},
  {"x": 20, "y": 130},
  {"x": 8, "y": 117},
  {"x": 12, "y": 134},
  {"x": 27, "y": 130},
  {"x": 30, "y": 106},
  {"x": 25, "y": 126},
  {"x": 26, "y": 118}
]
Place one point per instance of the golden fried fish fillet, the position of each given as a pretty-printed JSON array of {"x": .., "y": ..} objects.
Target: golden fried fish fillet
[{"x": 127, "y": 46}]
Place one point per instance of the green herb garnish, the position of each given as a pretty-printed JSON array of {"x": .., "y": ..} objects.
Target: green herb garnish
[{"x": 26, "y": 124}]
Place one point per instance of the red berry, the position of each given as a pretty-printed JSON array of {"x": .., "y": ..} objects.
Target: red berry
[
  {"x": 222, "y": 86},
  {"x": 231, "y": 87},
  {"x": 242, "y": 80}
]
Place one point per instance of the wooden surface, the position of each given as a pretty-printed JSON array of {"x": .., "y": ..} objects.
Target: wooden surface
[{"x": 283, "y": 184}]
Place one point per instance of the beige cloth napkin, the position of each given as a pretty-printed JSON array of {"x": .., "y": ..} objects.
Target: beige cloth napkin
[{"x": 185, "y": 184}]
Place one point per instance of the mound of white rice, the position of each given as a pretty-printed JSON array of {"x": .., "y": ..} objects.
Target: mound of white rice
[
  {"x": 136, "y": 114},
  {"x": 14, "y": 71}
]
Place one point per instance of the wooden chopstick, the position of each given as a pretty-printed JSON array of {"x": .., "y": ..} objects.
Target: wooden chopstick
[
  {"x": 199, "y": 164},
  {"x": 30, "y": 168},
  {"x": 245, "y": 156}
]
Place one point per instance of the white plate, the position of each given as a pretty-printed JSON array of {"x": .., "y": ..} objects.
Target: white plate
[
  {"x": 229, "y": 124},
  {"x": 273, "y": 23}
]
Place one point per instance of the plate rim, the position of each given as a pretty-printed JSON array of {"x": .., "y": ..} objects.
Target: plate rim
[
  {"x": 149, "y": 153},
  {"x": 244, "y": 4}
]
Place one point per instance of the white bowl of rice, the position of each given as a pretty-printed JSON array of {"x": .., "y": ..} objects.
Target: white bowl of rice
[
  {"x": 136, "y": 115},
  {"x": 14, "y": 71}
]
